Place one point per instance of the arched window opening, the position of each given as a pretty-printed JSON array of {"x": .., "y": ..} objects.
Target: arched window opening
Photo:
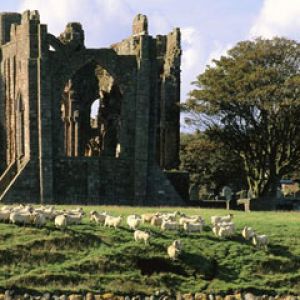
[{"x": 91, "y": 112}]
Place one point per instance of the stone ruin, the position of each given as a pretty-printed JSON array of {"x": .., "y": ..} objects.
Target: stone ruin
[{"x": 52, "y": 151}]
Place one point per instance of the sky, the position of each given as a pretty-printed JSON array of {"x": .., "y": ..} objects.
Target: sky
[{"x": 209, "y": 27}]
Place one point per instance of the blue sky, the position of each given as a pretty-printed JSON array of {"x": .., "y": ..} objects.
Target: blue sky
[{"x": 209, "y": 27}]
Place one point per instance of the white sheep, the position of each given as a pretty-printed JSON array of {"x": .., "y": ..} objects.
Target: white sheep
[
  {"x": 146, "y": 218},
  {"x": 74, "y": 219},
  {"x": 260, "y": 241},
  {"x": 225, "y": 231},
  {"x": 133, "y": 221},
  {"x": 228, "y": 225},
  {"x": 4, "y": 215},
  {"x": 142, "y": 235},
  {"x": 168, "y": 225},
  {"x": 61, "y": 221},
  {"x": 17, "y": 218},
  {"x": 39, "y": 220},
  {"x": 156, "y": 221},
  {"x": 192, "y": 219},
  {"x": 220, "y": 219},
  {"x": 112, "y": 221},
  {"x": 193, "y": 227},
  {"x": 174, "y": 250},
  {"x": 76, "y": 211},
  {"x": 247, "y": 233},
  {"x": 98, "y": 218}
]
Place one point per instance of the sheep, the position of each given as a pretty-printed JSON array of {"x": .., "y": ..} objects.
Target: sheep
[
  {"x": 98, "y": 218},
  {"x": 227, "y": 218},
  {"x": 17, "y": 218},
  {"x": 112, "y": 221},
  {"x": 247, "y": 233},
  {"x": 156, "y": 221},
  {"x": 39, "y": 220},
  {"x": 173, "y": 215},
  {"x": 260, "y": 241},
  {"x": 225, "y": 231},
  {"x": 74, "y": 219},
  {"x": 50, "y": 213},
  {"x": 220, "y": 219},
  {"x": 146, "y": 218},
  {"x": 133, "y": 221},
  {"x": 5, "y": 208},
  {"x": 167, "y": 225},
  {"x": 229, "y": 225},
  {"x": 76, "y": 211},
  {"x": 192, "y": 219},
  {"x": 61, "y": 221},
  {"x": 4, "y": 215},
  {"x": 174, "y": 250},
  {"x": 193, "y": 227},
  {"x": 142, "y": 235}
]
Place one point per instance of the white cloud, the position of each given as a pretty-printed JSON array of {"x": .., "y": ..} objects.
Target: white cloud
[
  {"x": 192, "y": 58},
  {"x": 278, "y": 18}
]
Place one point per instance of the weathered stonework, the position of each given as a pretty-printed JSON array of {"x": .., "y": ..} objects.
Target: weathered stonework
[{"x": 51, "y": 151}]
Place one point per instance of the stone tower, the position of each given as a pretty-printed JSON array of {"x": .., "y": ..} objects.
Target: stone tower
[{"x": 50, "y": 148}]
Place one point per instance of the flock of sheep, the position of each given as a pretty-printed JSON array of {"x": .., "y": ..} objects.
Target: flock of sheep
[{"x": 222, "y": 226}]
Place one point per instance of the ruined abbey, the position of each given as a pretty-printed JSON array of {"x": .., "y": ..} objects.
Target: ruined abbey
[{"x": 53, "y": 151}]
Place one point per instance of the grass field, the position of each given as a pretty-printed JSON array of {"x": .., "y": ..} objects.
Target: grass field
[{"x": 89, "y": 257}]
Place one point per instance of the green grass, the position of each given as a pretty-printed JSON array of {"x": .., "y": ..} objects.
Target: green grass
[{"x": 92, "y": 258}]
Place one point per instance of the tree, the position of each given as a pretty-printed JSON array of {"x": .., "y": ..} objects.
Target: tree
[
  {"x": 250, "y": 100},
  {"x": 210, "y": 164}
]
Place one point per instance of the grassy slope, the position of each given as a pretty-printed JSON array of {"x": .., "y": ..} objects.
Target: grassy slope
[{"x": 89, "y": 257}]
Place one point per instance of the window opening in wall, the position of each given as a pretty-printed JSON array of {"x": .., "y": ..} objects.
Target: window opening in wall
[{"x": 91, "y": 113}]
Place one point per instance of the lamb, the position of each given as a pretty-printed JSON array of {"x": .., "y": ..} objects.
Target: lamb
[
  {"x": 133, "y": 221},
  {"x": 260, "y": 241},
  {"x": 174, "y": 250},
  {"x": 61, "y": 221},
  {"x": 247, "y": 233},
  {"x": 142, "y": 235},
  {"x": 17, "y": 218},
  {"x": 112, "y": 221},
  {"x": 193, "y": 227},
  {"x": 168, "y": 225}
]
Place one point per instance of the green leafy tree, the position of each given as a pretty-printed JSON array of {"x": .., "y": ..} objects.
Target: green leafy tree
[
  {"x": 249, "y": 100},
  {"x": 211, "y": 164}
]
